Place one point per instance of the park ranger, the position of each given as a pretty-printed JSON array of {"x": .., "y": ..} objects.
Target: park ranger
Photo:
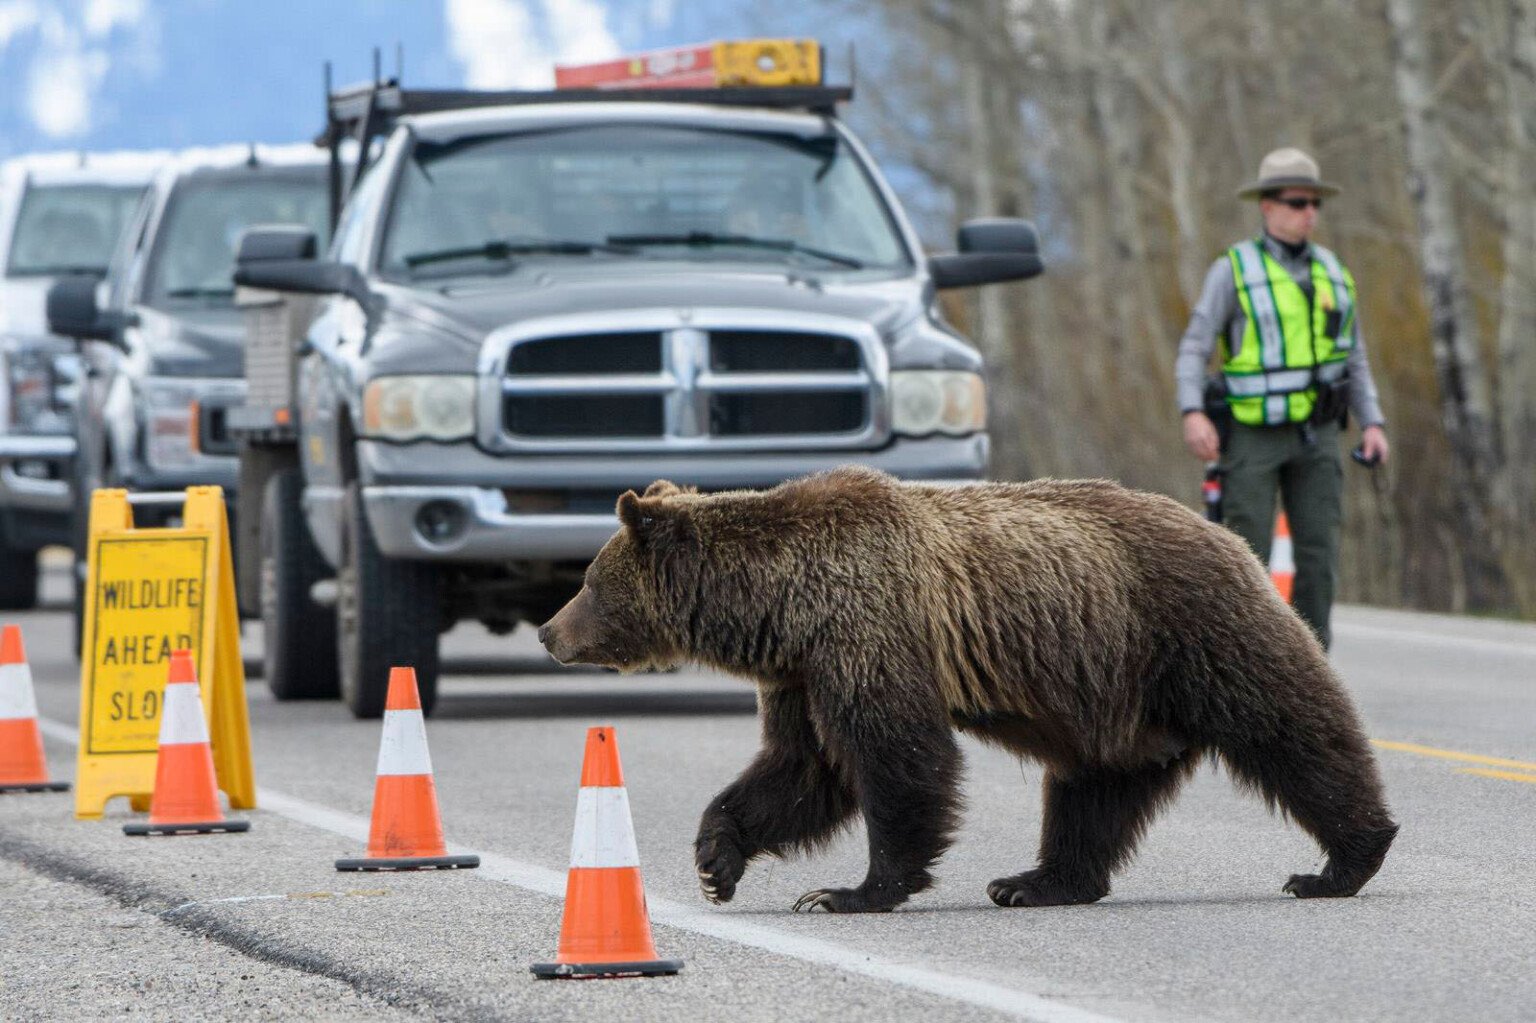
[{"x": 1287, "y": 316}]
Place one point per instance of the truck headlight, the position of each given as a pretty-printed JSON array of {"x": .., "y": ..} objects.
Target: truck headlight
[
  {"x": 166, "y": 408},
  {"x": 925, "y": 401},
  {"x": 416, "y": 407},
  {"x": 30, "y": 379}
]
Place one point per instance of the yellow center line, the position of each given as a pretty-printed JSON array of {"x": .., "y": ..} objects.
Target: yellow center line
[
  {"x": 1445, "y": 754},
  {"x": 1529, "y": 779}
]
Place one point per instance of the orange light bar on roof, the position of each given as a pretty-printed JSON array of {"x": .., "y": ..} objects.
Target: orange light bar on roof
[{"x": 749, "y": 62}]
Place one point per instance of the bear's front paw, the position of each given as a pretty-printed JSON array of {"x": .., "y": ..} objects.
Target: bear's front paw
[
  {"x": 720, "y": 865},
  {"x": 848, "y": 900},
  {"x": 1041, "y": 887}
]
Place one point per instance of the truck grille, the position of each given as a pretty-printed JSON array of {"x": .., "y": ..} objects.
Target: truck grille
[
  {"x": 588, "y": 354},
  {"x": 725, "y": 387}
]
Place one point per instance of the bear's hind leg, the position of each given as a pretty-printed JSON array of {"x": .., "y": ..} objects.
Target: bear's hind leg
[
  {"x": 788, "y": 797},
  {"x": 1322, "y": 773},
  {"x": 1093, "y": 819}
]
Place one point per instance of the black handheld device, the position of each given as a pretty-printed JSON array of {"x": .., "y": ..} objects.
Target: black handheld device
[{"x": 1358, "y": 454}]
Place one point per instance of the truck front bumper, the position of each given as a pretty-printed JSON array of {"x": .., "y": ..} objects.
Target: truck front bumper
[
  {"x": 36, "y": 506},
  {"x": 471, "y": 520}
]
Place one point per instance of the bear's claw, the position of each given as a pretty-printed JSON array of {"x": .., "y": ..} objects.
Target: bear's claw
[
  {"x": 720, "y": 866},
  {"x": 841, "y": 900},
  {"x": 1317, "y": 886},
  {"x": 1039, "y": 887}
]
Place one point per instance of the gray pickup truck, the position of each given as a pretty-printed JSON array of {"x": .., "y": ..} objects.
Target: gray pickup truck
[
  {"x": 535, "y": 301},
  {"x": 60, "y": 214},
  {"x": 162, "y": 346}
]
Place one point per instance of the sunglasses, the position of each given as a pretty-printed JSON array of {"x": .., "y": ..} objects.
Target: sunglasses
[{"x": 1298, "y": 203}]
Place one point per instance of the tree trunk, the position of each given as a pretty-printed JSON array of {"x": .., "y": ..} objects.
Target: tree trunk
[
  {"x": 993, "y": 333},
  {"x": 1181, "y": 161},
  {"x": 1464, "y": 392},
  {"x": 1517, "y": 299},
  {"x": 1517, "y": 319}
]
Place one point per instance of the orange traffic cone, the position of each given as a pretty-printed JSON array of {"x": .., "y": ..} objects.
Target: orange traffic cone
[
  {"x": 186, "y": 799},
  {"x": 1282, "y": 558},
  {"x": 407, "y": 833},
  {"x": 22, "y": 767},
  {"x": 606, "y": 931}
]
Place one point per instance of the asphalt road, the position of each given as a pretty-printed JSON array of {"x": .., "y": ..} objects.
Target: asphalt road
[{"x": 259, "y": 926}]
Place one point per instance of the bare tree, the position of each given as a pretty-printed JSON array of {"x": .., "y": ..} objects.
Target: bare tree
[
  {"x": 1464, "y": 392},
  {"x": 1517, "y": 312},
  {"x": 1123, "y": 127}
]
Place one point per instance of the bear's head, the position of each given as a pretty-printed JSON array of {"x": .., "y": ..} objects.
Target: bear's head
[
  {"x": 744, "y": 581},
  {"x": 625, "y": 615}
]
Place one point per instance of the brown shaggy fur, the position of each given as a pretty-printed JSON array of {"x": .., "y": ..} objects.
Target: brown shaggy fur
[{"x": 1111, "y": 634}]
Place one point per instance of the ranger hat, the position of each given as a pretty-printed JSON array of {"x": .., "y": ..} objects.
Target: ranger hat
[{"x": 1287, "y": 168}]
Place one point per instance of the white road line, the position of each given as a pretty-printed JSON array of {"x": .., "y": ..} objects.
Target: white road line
[
  {"x": 1010, "y": 1000},
  {"x": 1433, "y": 638}
]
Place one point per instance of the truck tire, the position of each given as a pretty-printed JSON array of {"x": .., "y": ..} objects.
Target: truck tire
[
  {"x": 299, "y": 655},
  {"x": 388, "y": 614},
  {"x": 18, "y": 579},
  {"x": 84, "y": 479}
]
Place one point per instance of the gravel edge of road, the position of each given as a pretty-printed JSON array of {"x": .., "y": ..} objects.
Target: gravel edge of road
[{"x": 181, "y": 911}]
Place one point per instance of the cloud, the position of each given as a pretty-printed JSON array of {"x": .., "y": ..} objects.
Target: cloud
[
  {"x": 102, "y": 16},
  {"x": 506, "y": 44},
  {"x": 662, "y": 12},
  {"x": 16, "y": 17},
  {"x": 72, "y": 54},
  {"x": 60, "y": 86}
]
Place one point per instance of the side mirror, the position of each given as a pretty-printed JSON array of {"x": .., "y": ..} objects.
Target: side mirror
[
  {"x": 281, "y": 241},
  {"x": 305, "y": 276},
  {"x": 992, "y": 250},
  {"x": 72, "y": 310},
  {"x": 283, "y": 259}
]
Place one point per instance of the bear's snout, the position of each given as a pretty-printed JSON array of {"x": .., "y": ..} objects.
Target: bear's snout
[{"x": 568, "y": 635}]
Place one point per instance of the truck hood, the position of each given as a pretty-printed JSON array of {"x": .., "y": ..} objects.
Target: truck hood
[
  {"x": 474, "y": 307},
  {"x": 193, "y": 343}
]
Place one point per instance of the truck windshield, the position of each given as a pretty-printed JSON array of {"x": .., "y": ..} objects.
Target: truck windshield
[
  {"x": 194, "y": 256},
  {"x": 621, "y": 190},
  {"x": 69, "y": 228}
]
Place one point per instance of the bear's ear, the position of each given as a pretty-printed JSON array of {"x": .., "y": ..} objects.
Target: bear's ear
[
  {"x": 629, "y": 511},
  {"x": 666, "y": 488},
  {"x": 653, "y": 520}
]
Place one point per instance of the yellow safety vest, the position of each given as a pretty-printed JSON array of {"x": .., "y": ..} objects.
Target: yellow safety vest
[{"x": 1286, "y": 348}]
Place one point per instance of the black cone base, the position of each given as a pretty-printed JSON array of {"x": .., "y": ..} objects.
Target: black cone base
[
  {"x": 589, "y": 971},
  {"x": 206, "y": 828},
  {"x": 411, "y": 863},
  {"x": 36, "y": 786}
]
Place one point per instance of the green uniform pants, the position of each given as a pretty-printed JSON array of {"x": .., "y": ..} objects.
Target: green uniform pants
[{"x": 1261, "y": 460}]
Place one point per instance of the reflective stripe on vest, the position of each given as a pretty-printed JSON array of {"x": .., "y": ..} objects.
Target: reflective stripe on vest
[
  {"x": 1285, "y": 342},
  {"x": 1284, "y": 381}
]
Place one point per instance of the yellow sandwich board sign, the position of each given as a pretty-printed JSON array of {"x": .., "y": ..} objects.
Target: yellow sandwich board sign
[{"x": 148, "y": 592}]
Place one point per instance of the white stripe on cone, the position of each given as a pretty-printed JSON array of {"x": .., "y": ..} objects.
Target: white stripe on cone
[
  {"x": 403, "y": 750},
  {"x": 1282, "y": 557},
  {"x": 16, "y": 699},
  {"x": 604, "y": 835},
  {"x": 181, "y": 719}
]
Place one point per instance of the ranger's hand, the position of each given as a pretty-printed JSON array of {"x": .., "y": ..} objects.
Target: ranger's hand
[
  {"x": 1200, "y": 436},
  {"x": 1373, "y": 444}
]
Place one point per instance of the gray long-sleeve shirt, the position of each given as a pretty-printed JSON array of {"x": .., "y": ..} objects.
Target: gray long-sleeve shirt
[{"x": 1219, "y": 311}]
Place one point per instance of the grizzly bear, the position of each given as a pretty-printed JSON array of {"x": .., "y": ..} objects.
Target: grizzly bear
[{"x": 1113, "y": 635}]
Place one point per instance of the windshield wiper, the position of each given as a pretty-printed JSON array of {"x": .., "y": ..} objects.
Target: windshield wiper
[
  {"x": 59, "y": 270},
  {"x": 506, "y": 248},
  {"x": 710, "y": 238},
  {"x": 200, "y": 293}
]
